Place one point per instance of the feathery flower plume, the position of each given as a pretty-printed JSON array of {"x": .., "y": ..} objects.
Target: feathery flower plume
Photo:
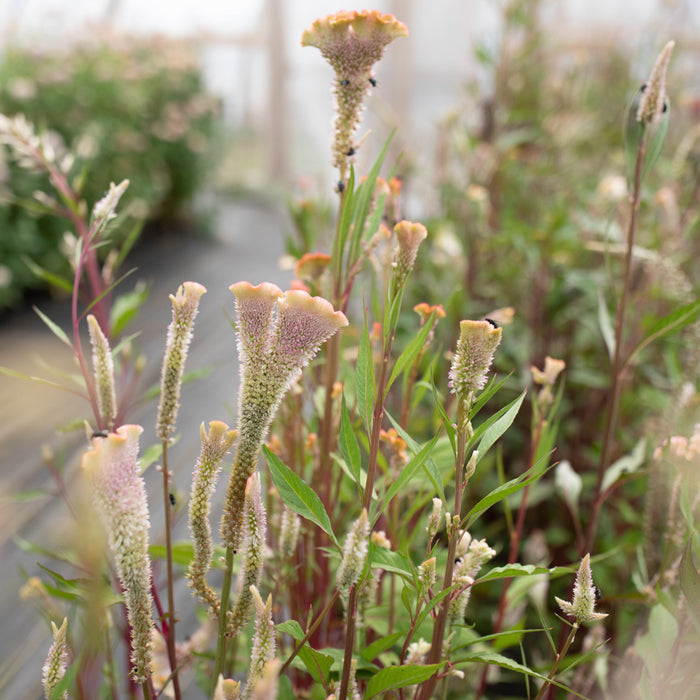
[
  {"x": 435, "y": 519},
  {"x": 459, "y": 600},
  {"x": 103, "y": 367},
  {"x": 251, "y": 569},
  {"x": 266, "y": 686},
  {"x": 289, "y": 532},
  {"x": 277, "y": 335},
  {"x": 352, "y": 42},
  {"x": 227, "y": 689},
  {"x": 206, "y": 473},
  {"x": 185, "y": 304},
  {"x": 264, "y": 644},
  {"x": 103, "y": 211},
  {"x": 476, "y": 346},
  {"x": 354, "y": 553},
  {"x": 409, "y": 236},
  {"x": 653, "y": 100},
  {"x": 120, "y": 496},
  {"x": 55, "y": 666},
  {"x": 582, "y": 606},
  {"x": 427, "y": 573}
]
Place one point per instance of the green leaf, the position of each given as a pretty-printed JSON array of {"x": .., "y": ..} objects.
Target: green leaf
[
  {"x": 409, "y": 470},
  {"x": 515, "y": 570},
  {"x": 317, "y": 664},
  {"x": 410, "y": 353},
  {"x": 393, "y": 677},
  {"x": 690, "y": 583},
  {"x": 447, "y": 422},
  {"x": 672, "y": 323},
  {"x": 348, "y": 443},
  {"x": 297, "y": 495},
  {"x": 605, "y": 324},
  {"x": 47, "y": 276},
  {"x": 503, "y": 420},
  {"x": 126, "y": 308},
  {"x": 39, "y": 380},
  {"x": 182, "y": 552},
  {"x": 364, "y": 376},
  {"x": 55, "y": 329},
  {"x": 430, "y": 467},
  {"x": 627, "y": 464},
  {"x": 379, "y": 646},
  {"x": 395, "y": 562},
  {"x": 657, "y": 143},
  {"x": 498, "y": 494}
]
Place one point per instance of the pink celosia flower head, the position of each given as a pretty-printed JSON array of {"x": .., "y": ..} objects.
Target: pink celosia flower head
[
  {"x": 653, "y": 101},
  {"x": 120, "y": 496},
  {"x": 476, "y": 346},
  {"x": 352, "y": 42},
  {"x": 409, "y": 236},
  {"x": 254, "y": 306}
]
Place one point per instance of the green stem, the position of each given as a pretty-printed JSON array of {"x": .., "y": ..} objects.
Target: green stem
[
  {"x": 618, "y": 362},
  {"x": 464, "y": 432},
  {"x": 147, "y": 692},
  {"x": 223, "y": 610},
  {"x": 170, "y": 637},
  {"x": 557, "y": 662}
]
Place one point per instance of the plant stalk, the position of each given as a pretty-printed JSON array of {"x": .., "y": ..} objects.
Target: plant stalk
[{"x": 557, "y": 662}]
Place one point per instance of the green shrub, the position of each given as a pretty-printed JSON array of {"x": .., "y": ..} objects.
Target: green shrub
[{"x": 131, "y": 108}]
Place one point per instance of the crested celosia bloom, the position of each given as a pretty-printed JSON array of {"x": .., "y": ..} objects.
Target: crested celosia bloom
[
  {"x": 111, "y": 467},
  {"x": 204, "y": 477},
  {"x": 582, "y": 606},
  {"x": 652, "y": 103},
  {"x": 354, "y": 553},
  {"x": 546, "y": 378},
  {"x": 311, "y": 266},
  {"x": 55, "y": 665},
  {"x": 409, "y": 236},
  {"x": 278, "y": 334},
  {"x": 476, "y": 346},
  {"x": 185, "y": 304},
  {"x": 290, "y": 525},
  {"x": 352, "y": 42},
  {"x": 264, "y": 645},
  {"x": 103, "y": 368},
  {"x": 253, "y": 545}
]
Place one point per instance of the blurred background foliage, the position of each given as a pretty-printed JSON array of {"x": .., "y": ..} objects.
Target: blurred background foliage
[{"x": 130, "y": 108}]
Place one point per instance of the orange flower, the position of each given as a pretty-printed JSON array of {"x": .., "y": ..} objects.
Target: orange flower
[{"x": 311, "y": 266}]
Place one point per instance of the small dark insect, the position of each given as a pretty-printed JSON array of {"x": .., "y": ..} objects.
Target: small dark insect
[
  {"x": 100, "y": 434},
  {"x": 643, "y": 88},
  {"x": 373, "y": 82},
  {"x": 492, "y": 322},
  {"x": 345, "y": 82},
  {"x": 172, "y": 499},
  {"x": 598, "y": 593},
  {"x": 350, "y": 151},
  {"x": 458, "y": 560},
  {"x": 665, "y": 107},
  {"x": 341, "y": 186}
]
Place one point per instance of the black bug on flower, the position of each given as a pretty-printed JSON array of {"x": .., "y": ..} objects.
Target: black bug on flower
[
  {"x": 99, "y": 434},
  {"x": 345, "y": 82},
  {"x": 492, "y": 322},
  {"x": 373, "y": 82},
  {"x": 172, "y": 499}
]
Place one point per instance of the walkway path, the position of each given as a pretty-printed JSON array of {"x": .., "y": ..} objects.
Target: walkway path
[{"x": 247, "y": 246}]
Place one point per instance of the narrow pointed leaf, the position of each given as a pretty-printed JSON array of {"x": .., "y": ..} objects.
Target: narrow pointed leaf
[
  {"x": 504, "y": 419},
  {"x": 393, "y": 677},
  {"x": 348, "y": 443},
  {"x": 55, "y": 328},
  {"x": 410, "y": 353},
  {"x": 364, "y": 376},
  {"x": 297, "y": 495}
]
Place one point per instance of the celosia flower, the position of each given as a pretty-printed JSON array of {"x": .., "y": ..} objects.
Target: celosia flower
[
  {"x": 434, "y": 520},
  {"x": 380, "y": 539},
  {"x": 111, "y": 467},
  {"x": 552, "y": 369},
  {"x": 653, "y": 101},
  {"x": 311, "y": 266},
  {"x": 266, "y": 687},
  {"x": 409, "y": 236},
  {"x": 253, "y": 545},
  {"x": 352, "y": 42},
  {"x": 289, "y": 532},
  {"x": 471, "y": 556},
  {"x": 460, "y": 599},
  {"x": 273, "y": 349},
  {"x": 397, "y": 447},
  {"x": 103, "y": 211},
  {"x": 476, "y": 346},
  {"x": 264, "y": 645},
  {"x": 227, "y": 689},
  {"x": 425, "y": 311},
  {"x": 427, "y": 573},
  {"x": 204, "y": 477},
  {"x": 582, "y": 607},
  {"x": 417, "y": 651},
  {"x": 55, "y": 666},
  {"x": 103, "y": 368},
  {"x": 185, "y": 304},
  {"x": 354, "y": 553}
]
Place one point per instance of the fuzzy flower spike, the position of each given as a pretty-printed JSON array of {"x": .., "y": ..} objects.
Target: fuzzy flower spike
[
  {"x": 185, "y": 305},
  {"x": 582, "y": 607},
  {"x": 476, "y": 346},
  {"x": 120, "y": 496},
  {"x": 352, "y": 42},
  {"x": 653, "y": 102},
  {"x": 278, "y": 334}
]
